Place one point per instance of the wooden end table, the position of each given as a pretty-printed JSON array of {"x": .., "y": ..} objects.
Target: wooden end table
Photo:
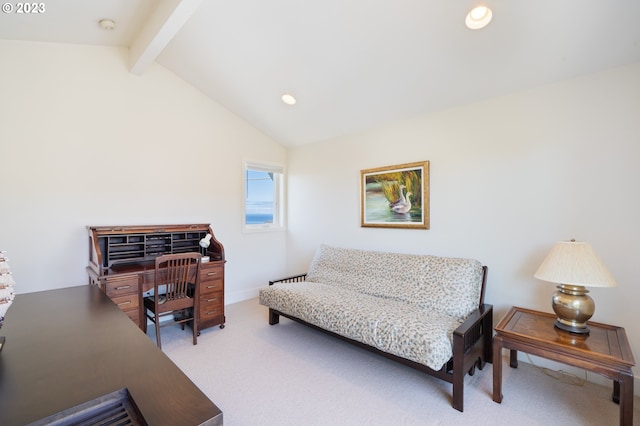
[{"x": 604, "y": 351}]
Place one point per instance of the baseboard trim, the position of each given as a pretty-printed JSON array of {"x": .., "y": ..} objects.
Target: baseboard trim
[
  {"x": 578, "y": 372},
  {"x": 240, "y": 296}
]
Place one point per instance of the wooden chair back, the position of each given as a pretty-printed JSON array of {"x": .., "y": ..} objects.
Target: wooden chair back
[{"x": 177, "y": 278}]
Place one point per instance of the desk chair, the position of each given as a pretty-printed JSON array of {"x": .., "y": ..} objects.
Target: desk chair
[{"x": 175, "y": 292}]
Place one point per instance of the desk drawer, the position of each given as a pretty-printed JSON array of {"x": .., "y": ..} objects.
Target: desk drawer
[
  {"x": 211, "y": 287},
  {"x": 118, "y": 286},
  {"x": 127, "y": 302},
  {"x": 211, "y": 271},
  {"x": 208, "y": 311},
  {"x": 211, "y": 305},
  {"x": 212, "y": 301}
]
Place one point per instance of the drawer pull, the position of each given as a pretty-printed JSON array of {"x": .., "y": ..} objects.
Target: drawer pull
[
  {"x": 212, "y": 312},
  {"x": 212, "y": 300},
  {"x": 212, "y": 273},
  {"x": 212, "y": 286},
  {"x": 124, "y": 287},
  {"x": 124, "y": 303}
]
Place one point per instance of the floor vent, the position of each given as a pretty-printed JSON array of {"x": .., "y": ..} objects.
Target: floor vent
[{"x": 114, "y": 409}]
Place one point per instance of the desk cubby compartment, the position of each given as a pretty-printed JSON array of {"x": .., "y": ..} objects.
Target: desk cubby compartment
[
  {"x": 184, "y": 242},
  {"x": 119, "y": 245},
  {"x": 118, "y": 248},
  {"x": 157, "y": 245}
]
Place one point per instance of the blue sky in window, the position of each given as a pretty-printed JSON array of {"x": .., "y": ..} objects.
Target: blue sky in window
[{"x": 259, "y": 193}]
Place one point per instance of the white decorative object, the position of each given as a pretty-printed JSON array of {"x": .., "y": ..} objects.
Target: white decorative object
[{"x": 6, "y": 287}]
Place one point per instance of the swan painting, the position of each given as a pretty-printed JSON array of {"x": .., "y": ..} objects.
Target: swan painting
[
  {"x": 400, "y": 200},
  {"x": 395, "y": 196},
  {"x": 403, "y": 207}
]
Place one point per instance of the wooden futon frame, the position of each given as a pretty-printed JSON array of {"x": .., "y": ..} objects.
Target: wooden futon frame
[{"x": 472, "y": 343}]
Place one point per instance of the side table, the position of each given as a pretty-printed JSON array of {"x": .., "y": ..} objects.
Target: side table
[{"x": 604, "y": 351}]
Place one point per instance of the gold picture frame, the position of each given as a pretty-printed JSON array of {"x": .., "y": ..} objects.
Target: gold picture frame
[{"x": 395, "y": 196}]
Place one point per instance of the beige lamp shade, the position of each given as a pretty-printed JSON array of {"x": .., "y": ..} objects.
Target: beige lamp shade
[{"x": 575, "y": 263}]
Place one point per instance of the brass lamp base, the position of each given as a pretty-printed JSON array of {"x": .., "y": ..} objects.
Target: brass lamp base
[{"x": 573, "y": 307}]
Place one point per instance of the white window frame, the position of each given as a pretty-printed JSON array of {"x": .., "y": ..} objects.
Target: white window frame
[{"x": 279, "y": 196}]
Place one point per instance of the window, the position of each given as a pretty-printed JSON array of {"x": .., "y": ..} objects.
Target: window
[{"x": 264, "y": 196}]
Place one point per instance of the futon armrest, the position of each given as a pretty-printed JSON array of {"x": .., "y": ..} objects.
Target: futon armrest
[
  {"x": 473, "y": 319},
  {"x": 291, "y": 279},
  {"x": 478, "y": 325}
]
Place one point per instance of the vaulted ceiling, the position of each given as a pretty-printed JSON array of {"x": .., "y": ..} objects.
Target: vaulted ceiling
[{"x": 351, "y": 64}]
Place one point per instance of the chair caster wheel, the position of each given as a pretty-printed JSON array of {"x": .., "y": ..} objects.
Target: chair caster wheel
[
  {"x": 198, "y": 334},
  {"x": 221, "y": 326}
]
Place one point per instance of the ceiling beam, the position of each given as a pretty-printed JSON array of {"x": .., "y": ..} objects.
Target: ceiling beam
[{"x": 163, "y": 24}]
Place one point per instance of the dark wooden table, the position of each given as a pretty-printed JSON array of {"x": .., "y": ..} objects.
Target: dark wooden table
[
  {"x": 65, "y": 347},
  {"x": 604, "y": 351}
]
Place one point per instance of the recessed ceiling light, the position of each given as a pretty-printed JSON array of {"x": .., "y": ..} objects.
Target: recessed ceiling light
[
  {"x": 107, "y": 24},
  {"x": 288, "y": 99},
  {"x": 479, "y": 17}
]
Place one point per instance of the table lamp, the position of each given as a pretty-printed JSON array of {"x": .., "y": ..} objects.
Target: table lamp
[
  {"x": 206, "y": 241},
  {"x": 573, "y": 265}
]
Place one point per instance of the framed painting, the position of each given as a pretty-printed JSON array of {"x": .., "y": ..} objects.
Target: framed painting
[{"x": 395, "y": 196}]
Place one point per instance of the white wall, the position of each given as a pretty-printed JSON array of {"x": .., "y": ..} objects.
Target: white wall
[
  {"x": 84, "y": 142},
  {"x": 509, "y": 177}
]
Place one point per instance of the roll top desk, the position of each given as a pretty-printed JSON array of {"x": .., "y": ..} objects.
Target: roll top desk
[{"x": 122, "y": 264}]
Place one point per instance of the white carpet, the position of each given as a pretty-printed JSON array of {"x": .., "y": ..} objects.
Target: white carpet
[{"x": 288, "y": 374}]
